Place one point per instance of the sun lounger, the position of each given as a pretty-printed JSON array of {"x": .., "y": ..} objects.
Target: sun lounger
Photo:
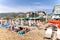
[
  {"x": 58, "y": 33},
  {"x": 48, "y": 33}
]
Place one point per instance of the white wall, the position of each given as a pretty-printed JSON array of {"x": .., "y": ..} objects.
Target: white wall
[{"x": 57, "y": 9}]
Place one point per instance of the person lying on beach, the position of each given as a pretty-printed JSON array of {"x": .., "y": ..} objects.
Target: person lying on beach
[
  {"x": 18, "y": 29},
  {"x": 21, "y": 28},
  {"x": 23, "y": 31}
]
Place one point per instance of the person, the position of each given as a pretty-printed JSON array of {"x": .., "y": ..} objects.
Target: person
[
  {"x": 23, "y": 30},
  {"x": 5, "y": 24},
  {"x": 16, "y": 29},
  {"x": 11, "y": 26}
]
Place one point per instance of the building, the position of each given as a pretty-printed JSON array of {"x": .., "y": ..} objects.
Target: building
[
  {"x": 35, "y": 14},
  {"x": 56, "y": 12},
  {"x": 41, "y": 13}
]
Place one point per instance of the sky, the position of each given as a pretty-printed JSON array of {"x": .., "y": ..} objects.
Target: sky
[{"x": 27, "y": 5}]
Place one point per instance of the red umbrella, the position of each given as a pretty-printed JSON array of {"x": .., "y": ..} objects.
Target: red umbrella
[
  {"x": 58, "y": 26},
  {"x": 55, "y": 22},
  {"x": 52, "y": 21}
]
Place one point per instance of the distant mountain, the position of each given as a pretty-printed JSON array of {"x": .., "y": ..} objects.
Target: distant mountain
[
  {"x": 9, "y": 14},
  {"x": 50, "y": 14}
]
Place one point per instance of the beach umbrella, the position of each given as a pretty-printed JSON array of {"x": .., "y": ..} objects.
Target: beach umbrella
[
  {"x": 39, "y": 17},
  {"x": 26, "y": 18},
  {"x": 32, "y": 18},
  {"x": 54, "y": 21}
]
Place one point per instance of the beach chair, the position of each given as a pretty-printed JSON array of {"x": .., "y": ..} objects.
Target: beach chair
[
  {"x": 48, "y": 33},
  {"x": 58, "y": 34}
]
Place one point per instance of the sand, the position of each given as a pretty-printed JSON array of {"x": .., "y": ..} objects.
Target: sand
[
  {"x": 8, "y": 35},
  {"x": 34, "y": 35}
]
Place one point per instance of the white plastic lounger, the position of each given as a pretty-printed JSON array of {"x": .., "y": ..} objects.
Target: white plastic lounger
[
  {"x": 48, "y": 33},
  {"x": 58, "y": 33}
]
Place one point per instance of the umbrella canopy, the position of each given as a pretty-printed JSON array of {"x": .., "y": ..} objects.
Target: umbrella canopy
[
  {"x": 32, "y": 18},
  {"x": 54, "y": 21},
  {"x": 26, "y": 18},
  {"x": 39, "y": 17}
]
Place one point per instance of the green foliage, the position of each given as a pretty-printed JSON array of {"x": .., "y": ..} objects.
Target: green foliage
[
  {"x": 21, "y": 16},
  {"x": 7, "y": 17},
  {"x": 14, "y": 15}
]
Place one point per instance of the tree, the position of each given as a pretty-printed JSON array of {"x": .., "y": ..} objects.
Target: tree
[
  {"x": 15, "y": 16},
  {"x": 7, "y": 17},
  {"x": 21, "y": 16}
]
